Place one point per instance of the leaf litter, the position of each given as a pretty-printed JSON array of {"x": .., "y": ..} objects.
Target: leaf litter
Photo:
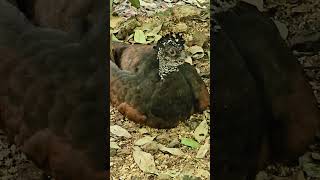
[{"x": 158, "y": 153}]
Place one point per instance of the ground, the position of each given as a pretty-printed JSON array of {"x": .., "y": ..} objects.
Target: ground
[
  {"x": 165, "y": 151},
  {"x": 297, "y": 18}
]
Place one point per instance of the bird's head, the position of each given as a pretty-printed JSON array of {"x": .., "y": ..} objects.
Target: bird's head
[{"x": 170, "y": 53}]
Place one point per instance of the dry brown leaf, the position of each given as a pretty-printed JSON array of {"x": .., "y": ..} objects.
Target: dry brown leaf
[
  {"x": 145, "y": 161},
  {"x": 119, "y": 131},
  {"x": 201, "y": 132},
  {"x": 203, "y": 149},
  {"x": 174, "y": 151},
  {"x": 196, "y": 51},
  {"x": 115, "y": 21},
  {"x": 114, "y": 145},
  {"x": 144, "y": 140},
  {"x": 283, "y": 30}
]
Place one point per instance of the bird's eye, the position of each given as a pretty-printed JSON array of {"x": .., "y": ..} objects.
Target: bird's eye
[{"x": 172, "y": 52}]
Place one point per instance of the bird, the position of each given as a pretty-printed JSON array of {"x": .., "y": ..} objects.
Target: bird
[
  {"x": 265, "y": 111},
  {"x": 52, "y": 96},
  {"x": 153, "y": 85}
]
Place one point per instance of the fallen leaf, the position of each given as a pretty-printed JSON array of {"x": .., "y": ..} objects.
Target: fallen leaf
[
  {"x": 174, "y": 151},
  {"x": 139, "y": 37},
  {"x": 203, "y": 150},
  {"x": 113, "y": 31},
  {"x": 143, "y": 131},
  {"x": 137, "y": 148},
  {"x": 129, "y": 37},
  {"x": 201, "y": 132},
  {"x": 114, "y": 145},
  {"x": 190, "y": 142},
  {"x": 145, "y": 161},
  {"x": 144, "y": 140},
  {"x": 114, "y": 38},
  {"x": 135, "y": 3},
  {"x": 283, "y": 30},
  {"x": 115, "y": 21},
  {"x": 196, "y": 51},
  {"x": 119, "y": 131}
]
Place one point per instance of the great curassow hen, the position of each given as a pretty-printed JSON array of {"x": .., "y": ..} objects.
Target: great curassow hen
[
  {"x": 52, "y": 96},
  {"x": 264, "y": 109},
  {"x": 153, "y": 85}
]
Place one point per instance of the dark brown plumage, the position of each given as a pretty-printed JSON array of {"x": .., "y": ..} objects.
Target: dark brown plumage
[{"x": 137, "y": 90}]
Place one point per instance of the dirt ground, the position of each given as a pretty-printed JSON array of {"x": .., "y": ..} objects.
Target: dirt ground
[
  {"x": 179, "y": 161},
  {"x": 298, "y": 21}
]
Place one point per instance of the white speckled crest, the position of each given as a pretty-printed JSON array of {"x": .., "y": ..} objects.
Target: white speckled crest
[{"x": 170, "y": 53}]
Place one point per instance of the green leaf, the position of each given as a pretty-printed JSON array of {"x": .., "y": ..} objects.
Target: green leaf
[
  {"x": 139, "y": 37},
  {"x": 135, "y": 3},
  {"x": 190, "y": 142}
]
